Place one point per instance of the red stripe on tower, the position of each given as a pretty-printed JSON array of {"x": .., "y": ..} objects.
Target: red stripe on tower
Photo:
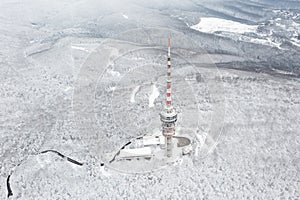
[{"x": 169, "y": 75}]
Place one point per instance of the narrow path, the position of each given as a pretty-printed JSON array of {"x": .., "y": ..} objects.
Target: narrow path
[
  {"x": 63, "y": 156},
  {"x": 9, "y": 190}
]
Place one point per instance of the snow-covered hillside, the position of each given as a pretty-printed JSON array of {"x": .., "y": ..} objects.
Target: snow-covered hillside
[{"x": 81, "y": 78}]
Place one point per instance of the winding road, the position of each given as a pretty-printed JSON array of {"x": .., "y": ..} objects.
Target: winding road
[{"x": 9, "y": 190}]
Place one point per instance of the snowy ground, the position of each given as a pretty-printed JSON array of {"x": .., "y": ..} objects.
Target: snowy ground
[
  {"x": 267, "y": 167},
  {"x": 66, "y": 87}
]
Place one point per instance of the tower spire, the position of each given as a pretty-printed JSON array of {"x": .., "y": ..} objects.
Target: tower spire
[
  {"x": 169, "y": 99},
  {"x": 168, "y": 116}
]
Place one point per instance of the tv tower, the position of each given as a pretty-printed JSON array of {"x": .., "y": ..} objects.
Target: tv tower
[{"x": 169, "y": 115}]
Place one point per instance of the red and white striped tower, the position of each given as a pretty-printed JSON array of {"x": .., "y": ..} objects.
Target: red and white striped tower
[{"x": 169, "y": 115}]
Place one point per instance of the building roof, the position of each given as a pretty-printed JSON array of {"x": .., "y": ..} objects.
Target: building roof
[
  {"x": 153, "y": 140},
  {"x": 137, "y": 152}
]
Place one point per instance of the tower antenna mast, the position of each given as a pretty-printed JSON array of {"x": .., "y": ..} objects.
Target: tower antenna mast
[{"x": 168, "y": 116}]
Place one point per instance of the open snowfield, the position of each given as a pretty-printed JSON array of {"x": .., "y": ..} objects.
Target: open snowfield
[
  {"x": 212, "y": 25},
  {"x": 251, "y": 33},
  {"x": 82, "y": 78}
]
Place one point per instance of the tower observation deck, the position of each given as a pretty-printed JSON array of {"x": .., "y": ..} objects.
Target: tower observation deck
[{"x": 168, "y": 116}]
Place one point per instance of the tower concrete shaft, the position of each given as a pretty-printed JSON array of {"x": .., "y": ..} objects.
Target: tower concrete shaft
[{"x": 169, "y": 115}]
